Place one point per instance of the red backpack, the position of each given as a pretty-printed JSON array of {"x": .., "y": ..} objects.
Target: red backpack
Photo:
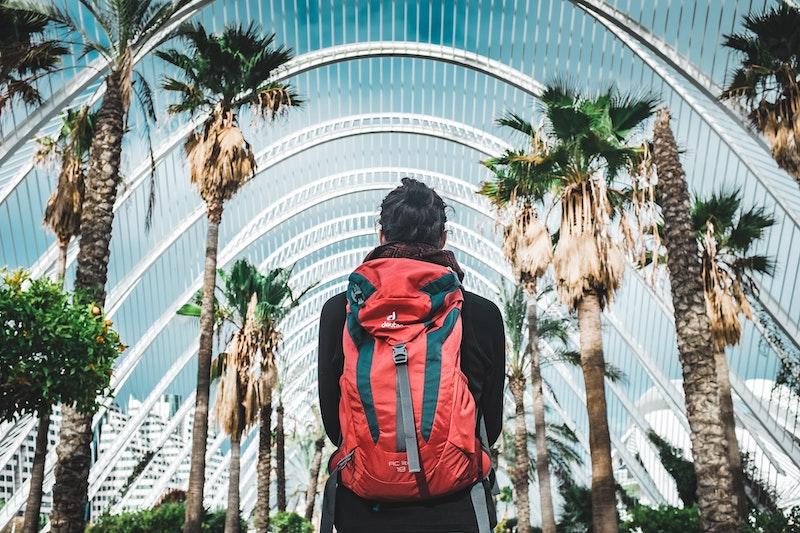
[{"x": 408, "y": 419}]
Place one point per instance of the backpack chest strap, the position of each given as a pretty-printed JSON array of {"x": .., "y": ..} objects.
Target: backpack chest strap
[{"x": 406, "y": 429}]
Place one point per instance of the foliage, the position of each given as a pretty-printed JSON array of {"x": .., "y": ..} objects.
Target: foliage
[
  {"x": 576, "y": 514},
  {"x": 64, "y": 207},
  {"x": 220, "y": 74},
  {"x": 25, "y": 55},
  {"x": 766, "y": 79},
  {"x": 768, "y": 522},
  {"x": 165, "y": 518},
  {"x": 662, "y": 519},
  {"x": 727, "y": 234},
  {"x": 229, "y": 70},
  {"x": 761, "y": 493},
  {"x": 54, "y": 349},
  {"x": 680, "y": 468},
  {"x": 288, "y": 522},
  {"x": 120, "y": 31},
  {"x": 576, "y": 160}
]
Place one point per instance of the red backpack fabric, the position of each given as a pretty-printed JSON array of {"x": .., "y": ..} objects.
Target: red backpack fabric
[{"x": 402, "y": 344}]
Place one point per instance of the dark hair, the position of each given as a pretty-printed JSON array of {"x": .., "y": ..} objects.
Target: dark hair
[{"x": 413, "y": 212}]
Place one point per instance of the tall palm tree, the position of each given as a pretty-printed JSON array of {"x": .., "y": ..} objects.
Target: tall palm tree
[
  {"x": 235, "y": 408},
  {"x": 526, "y": 244},
  {"x": 25, "y": 55},
  {"x": 727, "y": 235},
  {"x": 62, "y": 216},
  {"x": 221, "y": 74},
  {"x": 716, "y": 499},
  {"x": 276, "y": 300},
  {"x": 121, "y": 30},
  {"x": 280, "y": 454},
  {"x": 514, "y": 305},
  {"x": 63, "y": 212},
  {"x": 767, "y": 81},
  {"x": 584, "y": 154},
  {"x": 313, "y": 471}
]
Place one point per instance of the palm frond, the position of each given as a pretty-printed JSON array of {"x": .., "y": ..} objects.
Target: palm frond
[
  {"x": 516, "y": 122},
  {"x": 514, "y": 306},
  {"x": 745, "y": 267},
  {"x": 749, "y": 228},
  {"x": 628, "y": 112}
]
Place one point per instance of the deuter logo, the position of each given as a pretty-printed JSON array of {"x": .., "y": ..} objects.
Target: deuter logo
[{"x": 390, "y": 321}]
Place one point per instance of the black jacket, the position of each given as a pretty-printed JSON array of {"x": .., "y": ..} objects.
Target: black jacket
[{"x": 482, "y": 361}]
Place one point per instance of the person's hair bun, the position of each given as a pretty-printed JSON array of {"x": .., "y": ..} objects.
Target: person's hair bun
[
  {"x": 413, "y": 212},
  {"x": 417, "y": 193}
]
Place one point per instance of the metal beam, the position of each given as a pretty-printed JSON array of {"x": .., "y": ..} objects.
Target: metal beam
[{"x": 314, "y": 136}]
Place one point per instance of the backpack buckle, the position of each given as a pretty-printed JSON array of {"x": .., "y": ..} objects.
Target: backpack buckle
[
  {"x": 399, "y": 354},
  {"x": 358, "y": 295}
]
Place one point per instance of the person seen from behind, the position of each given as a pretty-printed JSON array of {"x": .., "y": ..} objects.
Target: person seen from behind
[{"x": 411, "y": 370}]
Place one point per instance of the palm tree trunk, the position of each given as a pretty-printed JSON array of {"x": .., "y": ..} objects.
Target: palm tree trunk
[
  {"x": 264, "y": 468},
  {"x": 34, "y": 504},
  {"x": 313, "y": 477},
  {"x": 70, "y": 492},
  {"x": 729, "y": 425},
  {"x": 63, "y": 246},
  {"x": 604, "y": 508},
  {"x": 232, "y": 513},
  {"x": 197, "y": 471},
  {"x": 714, "y": 487},
  {"x": 280, "y": 456},
  {"x": 519, "y": 474},
  {"x": 542, "y": 454}
]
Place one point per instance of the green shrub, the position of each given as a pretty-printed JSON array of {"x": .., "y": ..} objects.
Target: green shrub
[
  {"x": 165, "y": 518},
  {"x": 662, "y": 519},
  {"x": 286, "y": 522},
  {"x": 767, "y": 522}
]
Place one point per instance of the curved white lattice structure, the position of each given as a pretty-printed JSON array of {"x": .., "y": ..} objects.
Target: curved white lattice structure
[{"x": 394, "y": 89}]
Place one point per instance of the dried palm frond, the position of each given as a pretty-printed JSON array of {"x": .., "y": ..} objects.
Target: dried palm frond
[
  {"x": 63, "y": 212},
  {"x": 274, "y": 99},
  {"x": 586, "y": 257},
  {"x": 47, "y": 151},
  {"x": 220, "y": 158},
  {"x": 233, "y": 409},
  {"x": 526, "y": 242},
  {"x": 725, "y": 297}
]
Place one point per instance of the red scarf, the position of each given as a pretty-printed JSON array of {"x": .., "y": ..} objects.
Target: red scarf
[{"x": 420, "y": 251}]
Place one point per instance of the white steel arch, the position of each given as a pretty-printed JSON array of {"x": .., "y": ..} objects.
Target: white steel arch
[
  {"x": 317, "y": 135},
  {"x": 302, "y": 63}
]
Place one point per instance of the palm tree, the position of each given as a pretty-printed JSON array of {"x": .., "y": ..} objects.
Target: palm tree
[
  {"x": 236, "y": 404},
  {"x": 584, "y": 153},
  {"x": 717, "y": 502},
  {"x": 726, "y": 234},
  {"x": 121, "y": 31},
  {"x": 767, "y": 81},
  {"x": 315, "y": 467},
  {"x": 25, "y": 55},
  {"x": 222, "y": 74},
  {"x": 276, "y": 299},
  {"x": 280, "y": 454},
  {"x": 514, "y": 305},
  {"x": 63, "y": 212},
  {"x": 526, "y": 244},
  {"x": 62, "y": 216}
]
